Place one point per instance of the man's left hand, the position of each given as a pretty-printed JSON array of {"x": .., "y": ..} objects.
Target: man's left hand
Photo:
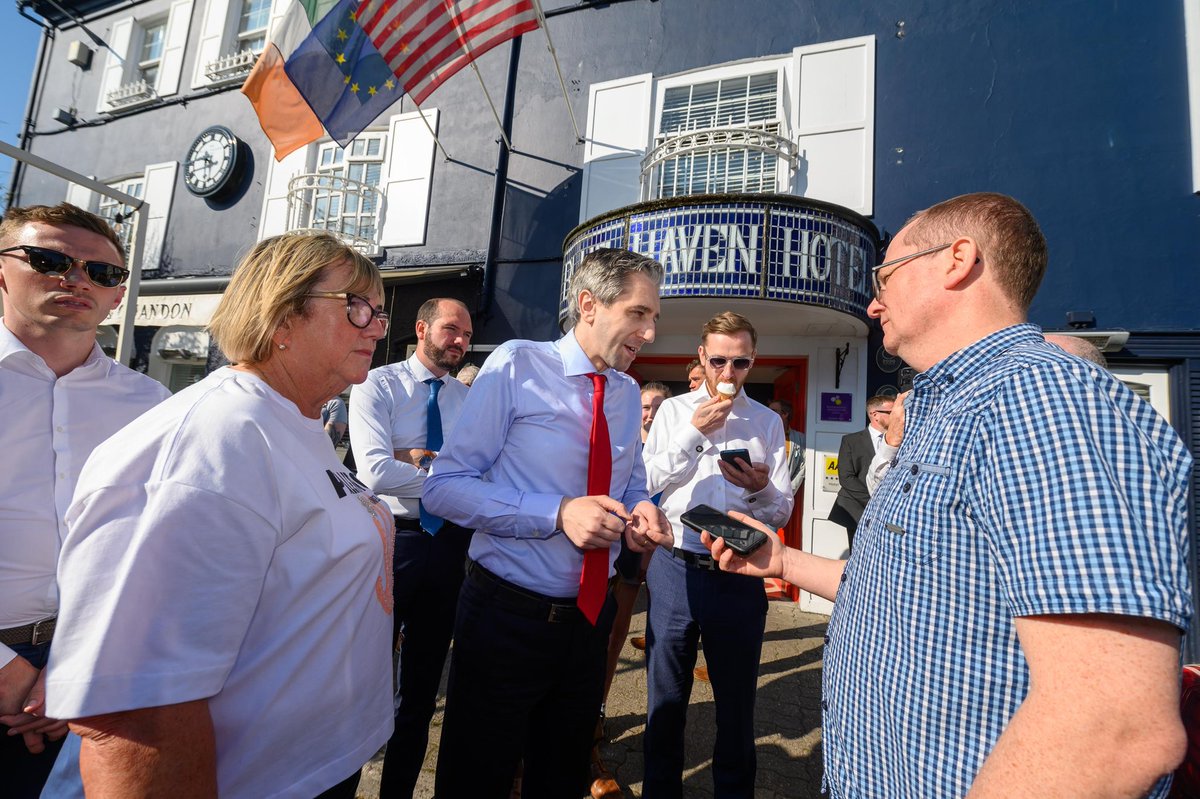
[
  {"x": 648, "y": 528},
  {"x": 751, "y": 476}
]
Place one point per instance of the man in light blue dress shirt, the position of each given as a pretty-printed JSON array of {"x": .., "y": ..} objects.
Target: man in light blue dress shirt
[{"x": 527, "y": 670}]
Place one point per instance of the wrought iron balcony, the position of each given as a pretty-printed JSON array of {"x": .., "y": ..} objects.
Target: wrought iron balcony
[
  {"x": 230, "y": 68},
  {"x": 720, "y": 141},
  {"x": 127, "y": 95},
  {"x": 349, "y": 209}
]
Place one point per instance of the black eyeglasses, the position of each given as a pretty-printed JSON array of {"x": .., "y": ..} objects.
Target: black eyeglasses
[
  {"x": 358, "y": 310},
  {"x": 740, "y": 364},
  {"x": 52, "y": 262}
]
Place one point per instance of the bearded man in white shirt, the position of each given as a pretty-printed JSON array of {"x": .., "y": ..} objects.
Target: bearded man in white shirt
[
  {"x": 690, "y": 599},
  {"x": 61, "y": 272}
]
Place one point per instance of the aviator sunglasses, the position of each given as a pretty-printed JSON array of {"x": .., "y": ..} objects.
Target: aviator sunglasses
[{"x": 53, "y": 262}]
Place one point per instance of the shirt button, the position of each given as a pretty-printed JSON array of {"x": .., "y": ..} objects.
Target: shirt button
[
  {"x": 59, "y": 428},
  {"x": 826, "y": 639},
  {"x": 62, "y": 475},
  {"x": 752, "y": 499},
  {"x": 866, "y": 522},
  {"x": 906, "y": 487},
  {"x": 699, "y": 448},
  {"x": 824, "y": 705},
  {"x": 915, "y": 469},
  {"x": 843, "y": 577}
]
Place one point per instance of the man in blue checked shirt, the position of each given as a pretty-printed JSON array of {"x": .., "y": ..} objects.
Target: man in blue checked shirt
[{"x": 1009, "y": 622}]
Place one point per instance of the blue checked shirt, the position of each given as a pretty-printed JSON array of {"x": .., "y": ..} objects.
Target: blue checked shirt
[{"x": 1029, "y": 482}]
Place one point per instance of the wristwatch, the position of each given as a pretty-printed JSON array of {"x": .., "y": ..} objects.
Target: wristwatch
[{"x": 426, "y": 460}]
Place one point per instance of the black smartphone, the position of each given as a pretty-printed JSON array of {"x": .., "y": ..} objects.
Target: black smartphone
[
  {"x": 730, "y": 456},
  {"x": 741, "y": 538}
]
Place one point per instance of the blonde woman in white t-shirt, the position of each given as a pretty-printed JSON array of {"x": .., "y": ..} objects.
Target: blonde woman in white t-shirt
[{"x": 226, "y": 608}]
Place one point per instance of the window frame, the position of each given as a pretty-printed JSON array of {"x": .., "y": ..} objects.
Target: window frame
[{"x": 780, "y": 123}]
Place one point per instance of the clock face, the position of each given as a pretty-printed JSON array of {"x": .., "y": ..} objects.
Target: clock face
[{"x": 211, "y": 162}]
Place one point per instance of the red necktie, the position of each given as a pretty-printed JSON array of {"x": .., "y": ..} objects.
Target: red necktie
[{"x": 593, "y": 583}]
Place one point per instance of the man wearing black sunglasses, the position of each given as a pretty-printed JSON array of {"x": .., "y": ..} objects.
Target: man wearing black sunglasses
[
  {"x": 61, "y": 270},
  {"x": 692, "y": 457}
]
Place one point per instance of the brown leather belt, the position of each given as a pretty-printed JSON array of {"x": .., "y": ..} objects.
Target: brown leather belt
[{"x": 40, "y": 632}]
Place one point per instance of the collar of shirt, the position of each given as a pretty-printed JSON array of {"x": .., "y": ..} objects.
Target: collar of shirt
[
  {"x": 419, "y": 371},
  {"x": 953, "y": 371},
  {"x": 574, "y": 360},
  {"x": 15, "y": 355}
]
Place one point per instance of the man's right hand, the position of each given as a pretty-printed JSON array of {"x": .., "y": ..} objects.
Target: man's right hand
[
  {"x": 766, "y": 561},
  {"x": 16, "y": 681},
  {"x": 592, "y": 522},
  {"x": 711, "y": 414},
  {"x": 894, "y": 434}
]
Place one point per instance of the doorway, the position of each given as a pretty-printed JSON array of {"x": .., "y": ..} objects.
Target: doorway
[{"x": 771, "y": 379}]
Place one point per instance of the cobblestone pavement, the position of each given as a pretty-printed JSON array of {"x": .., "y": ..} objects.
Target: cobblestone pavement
[{"x": 787, "y": 717}]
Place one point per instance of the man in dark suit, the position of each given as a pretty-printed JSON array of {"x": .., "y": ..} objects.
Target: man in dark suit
[{"x": 854, "y": 459}]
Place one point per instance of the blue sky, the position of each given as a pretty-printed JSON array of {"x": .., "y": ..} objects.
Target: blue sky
[{"x": 18, "y": 41}]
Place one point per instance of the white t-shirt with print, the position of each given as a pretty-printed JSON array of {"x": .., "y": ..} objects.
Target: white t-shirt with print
[{"x": 218, "y": 550}]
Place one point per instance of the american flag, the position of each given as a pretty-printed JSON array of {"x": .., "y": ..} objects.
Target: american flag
[{"x": 424, "y": 42}]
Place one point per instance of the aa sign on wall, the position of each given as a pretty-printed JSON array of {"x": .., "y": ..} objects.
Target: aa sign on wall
[{"x": 831, "y": 482}]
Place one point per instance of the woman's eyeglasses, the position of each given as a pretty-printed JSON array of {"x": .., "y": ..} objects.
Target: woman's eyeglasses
[
  {"x": 52, "y": 262},
  {"x": 358, "y": 310},
  {"x": 740, "y": 364}
]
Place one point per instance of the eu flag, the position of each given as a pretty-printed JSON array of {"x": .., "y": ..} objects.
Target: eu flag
[{"x": 341, "y": 75}]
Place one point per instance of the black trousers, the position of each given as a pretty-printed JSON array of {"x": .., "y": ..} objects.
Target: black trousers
[
  {"x": 428, "y": 573},
  {"x": 22, "y": 774},
  {"x": 521, "y": 686}
]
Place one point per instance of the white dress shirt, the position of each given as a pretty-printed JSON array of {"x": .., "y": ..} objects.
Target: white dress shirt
[
  {"x": 682, "y": 463},
  {"x": 51, "y": 426},
  {"x": 505, "y": 472},
  {"x": 885, "y": 454},
  {"x": 388, "y": 413}
]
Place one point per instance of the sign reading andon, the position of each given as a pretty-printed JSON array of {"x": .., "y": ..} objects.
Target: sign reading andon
[
  {"x": 774, "y": 247},
  {"x": 170, "y": 309}
]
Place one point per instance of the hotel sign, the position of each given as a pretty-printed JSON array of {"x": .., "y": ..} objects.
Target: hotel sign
[
  {"x": 775, "y": 247},
  {"x": 169, "y": 309}
]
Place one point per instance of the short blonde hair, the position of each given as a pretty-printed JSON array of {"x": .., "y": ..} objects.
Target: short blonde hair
[
  {"x": 270, "y": 285},
  {"x": 728, "y": 323}
]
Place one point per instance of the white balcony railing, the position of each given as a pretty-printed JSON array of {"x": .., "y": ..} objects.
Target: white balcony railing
[
  {"x": 349, "y": 209},
  {"x": 720, "y": 140},
  {"x": 231, "y": 67},
  {"x": 127, "y": 95}
]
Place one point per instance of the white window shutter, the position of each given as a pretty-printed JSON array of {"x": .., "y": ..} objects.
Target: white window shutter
[
  {"x": 160, "y": 190},
  {"x": 618, "y": 130},
  {"x": 212, "y": 39},
  {"x": 112, "y": 74},
  {"x": 178, "y": 24},
  {"x": 409, "y": 178},
  {"x": 833, "y": 115},
  {"x": 82, "y": 196},
  {"x": 274, "y": 217}
]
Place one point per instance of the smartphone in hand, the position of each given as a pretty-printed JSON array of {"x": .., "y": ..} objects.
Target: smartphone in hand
[
  {"x": 730, "y": 456},
  {"x": 741, "y": 538}
]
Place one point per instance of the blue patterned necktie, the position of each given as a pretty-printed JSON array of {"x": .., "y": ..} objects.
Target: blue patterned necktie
[{"x": 433, "y": 442}]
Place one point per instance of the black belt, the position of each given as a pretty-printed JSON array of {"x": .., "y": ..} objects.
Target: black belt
[
  {"x": 40, "y": 632},
  {"x": 705, "y": 562},
  {"x": 557, "y": 610}
]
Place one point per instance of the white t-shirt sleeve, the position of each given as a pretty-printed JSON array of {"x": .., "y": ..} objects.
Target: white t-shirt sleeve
[{"x": 167, "y": 579}]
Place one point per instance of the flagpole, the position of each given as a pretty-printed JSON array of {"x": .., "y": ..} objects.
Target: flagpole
[
  {"x": 488, "y": 95},
  {"x": 537, "y": 6},
  {"x": 436, "y": 140},
  {"x": 462, "y": 39}
]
